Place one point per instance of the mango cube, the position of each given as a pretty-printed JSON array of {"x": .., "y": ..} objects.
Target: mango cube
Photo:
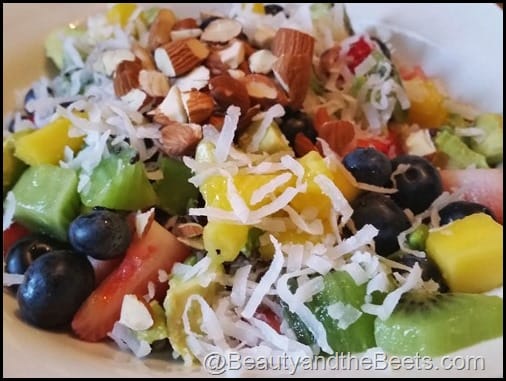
[{"x": 469, "y": 253}]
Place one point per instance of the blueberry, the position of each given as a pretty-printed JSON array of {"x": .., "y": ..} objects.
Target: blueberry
[
  {"x": 295, "y": 122},
  {"x": 101, "y": 234},
  {"x": 428, "y": 267},
  {"x": 369, "y": 166},
  {"x": 418, "y": 186},
  {"x": 272, "y": 9},
  {"x": 460, "y": 209},
  {"x": 381, "y": 212},
  {"x": 55, "y": 286},
  {"x": 26, "y": 250}
]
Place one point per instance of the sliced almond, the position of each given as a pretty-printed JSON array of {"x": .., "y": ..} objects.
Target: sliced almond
[
  {"x": 188, "y": 230},
  {"x": 187, "y": 23},
  {"x": 126, "y": 77},
  {"x": 197, "y": 79},
  {"x": 233, "y": 55},
  {"x": 144, "y": 56},
  {"x": 198, "y": 105},
  {"x": 159, "y": 32},
  {"x": 263, "y": 90},
  {"x": 180, "y": 57},
  {"x": 261, "y": 61},
  {"x": 291, "y": 41},
  {"x": 215, "y": 64},
  {"x": 171, "y": 109},
  {"x": 227, "y": 91},
  {"x": 154, "y": 83},
  {"x": 183, "y": 34},
  {"x": 180, "y": 138},
  {"x": 136, "y": 99},
  {"x": 236, "y": 74},
  {"x": 222, "y": 30},
  {"x": 293, "y": 72}
]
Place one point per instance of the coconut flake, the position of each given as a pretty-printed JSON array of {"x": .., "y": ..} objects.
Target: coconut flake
[
  {"x": 315, "y": 227},
  {"x": 13, "y": 279},
  {"x": 226, "y": 136},
  {"x": 319, "y": 264},
  {"x": 302, "y": 311},
  {"x": 260, "y": 193},
  {"x": 375, "y": 188},
  {"x": 378, "y": 283},
  {"x": 239, "y": 207},
  {"x": 306, "y": 291},
  {"x": 361, "y": 238},
  {"x": 356, "y": 271},
  {"x": 238, "y": 293},
  {"x": 266, "y": 282},
  {"x": 294, "y": 166},
  {"x": 163, "y": 276},
  {"x": 126, "y": 339},
  {"x": 9, "y": 210},
  {"x": 142, "y": 220},
  {"x": 339, "y": 202},
  {"x": 134, "y": 314},
  {"x": 276, "y": 205},
  {"x": 383, "y": 311},
  {"x": 275, "y": 111},
  {"x": 344, "y": 314}
]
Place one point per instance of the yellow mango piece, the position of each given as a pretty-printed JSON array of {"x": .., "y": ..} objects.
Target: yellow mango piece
[
  {"x": 427, "y": 103},
  {"x": 175, "y": 303},
  {"x": 121, "y": 13},
  {"x": 469, "y": 253},
  {"x": 224, "y": 241},
  {"x": 46, "y": 145}
]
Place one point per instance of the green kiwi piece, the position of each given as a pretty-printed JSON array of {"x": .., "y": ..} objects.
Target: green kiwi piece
[{"x": 439, "y": 324}]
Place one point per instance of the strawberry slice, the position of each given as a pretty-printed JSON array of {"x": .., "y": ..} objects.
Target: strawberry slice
[
  {"x": 157, "y": 250},
  {"x": 358, "y": 52}
]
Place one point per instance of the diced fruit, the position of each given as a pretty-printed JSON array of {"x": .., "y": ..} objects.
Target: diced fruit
[
  {"x": 157, "y": 250},
  {"x": 469, "y": 253},
  {"x": 46, "y": 145},
  {"x": 117, "y": 184},
  {"x": 121, "y": 13},
  {"x": 54, "y": 287},
  {"x": 491, "y": 143},
  {"x": 272, "y": 142},
  {"x": 12, "y": 166},
  {"x": 47, "y": 199},
  {"x": 440, "y": 324},
  {"x": 460, "y": 155},
  {"x": 175, "y": 304},
  {"x": 174, "y": 191},
  {"x": 54, "y": 43},
  {"x": 224, "y": 241},
  {"x": 340, "y": 287},
  {"x": 427, "y": 103},
  {"x": 369, "y": 166},
  {"x": 158, "y": 330},
  {"x": 488, "y": 191},
  {"x": 460, "y": 209}
]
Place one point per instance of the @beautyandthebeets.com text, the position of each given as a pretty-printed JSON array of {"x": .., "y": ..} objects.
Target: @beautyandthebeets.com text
[{"x": 220, "y": 363}]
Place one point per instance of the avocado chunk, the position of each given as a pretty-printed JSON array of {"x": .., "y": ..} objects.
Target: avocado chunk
[
  {"x": 174, "y": 191},
  {"x": 490, "y": 144},
  {"x": 117, "y": 183},
  {"x": 459, "y": 153},
  {"x": 47, "y": 200}
]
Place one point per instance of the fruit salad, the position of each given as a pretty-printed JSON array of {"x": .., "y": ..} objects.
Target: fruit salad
[{"x": 265, "y": 181}]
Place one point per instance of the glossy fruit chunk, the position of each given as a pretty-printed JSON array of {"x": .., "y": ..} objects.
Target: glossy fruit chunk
[
  {"x": 418, "y": 186},
  {"x": 469, "y": 253},
  {"x": 381, "y": 212},
  {"x": 488, "y": 191},
  {"x": 55, "y": 285},
  {"x": 224, "y": 241},
  {"x": 121, "y": 13},
  {"x": 369, "y": 166},
  {"x": 101, "y": 234},
  {"x": 47, "y": 200},
  {"x": 460, "y": 209},
  {"x": 174, "y": 191},
  {"x": 157, "y": 250},
  {"x": 118, "y": 184},
  {"x": 12, "y": 166},
  {"x": 339, "y": 287},
  {"x": 427, "y": 103},
  {"x": 46, "y": 145},
  {"x": 440, "y": 325}
]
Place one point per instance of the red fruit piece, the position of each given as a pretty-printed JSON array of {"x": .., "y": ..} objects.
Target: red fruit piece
[
  {"x": 157, "y": 250},
  {"x": 268, "y": 316},
  {"x": 358, "y": 52},
  {"x": 13, "y": 234},
  {"x": 484, "y": 186}
]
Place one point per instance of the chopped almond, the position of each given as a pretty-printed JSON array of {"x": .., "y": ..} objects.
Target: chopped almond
[
  {"x": 180, "y": 57},
  {"x": 159, "y": 32},
  {"x": 199, "y": 106},
  {"x": 180, "y": 138},
  {"x": 291, "y": 42},
  {"x": 227, "y": 91}
]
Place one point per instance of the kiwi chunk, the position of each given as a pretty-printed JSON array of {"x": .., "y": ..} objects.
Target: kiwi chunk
[
  {"x": 47, "y": 199},
  {"x": 119, "y": 182},
  {"x": 439, "y": 324},
  {"x": 339, "y": 286}
]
